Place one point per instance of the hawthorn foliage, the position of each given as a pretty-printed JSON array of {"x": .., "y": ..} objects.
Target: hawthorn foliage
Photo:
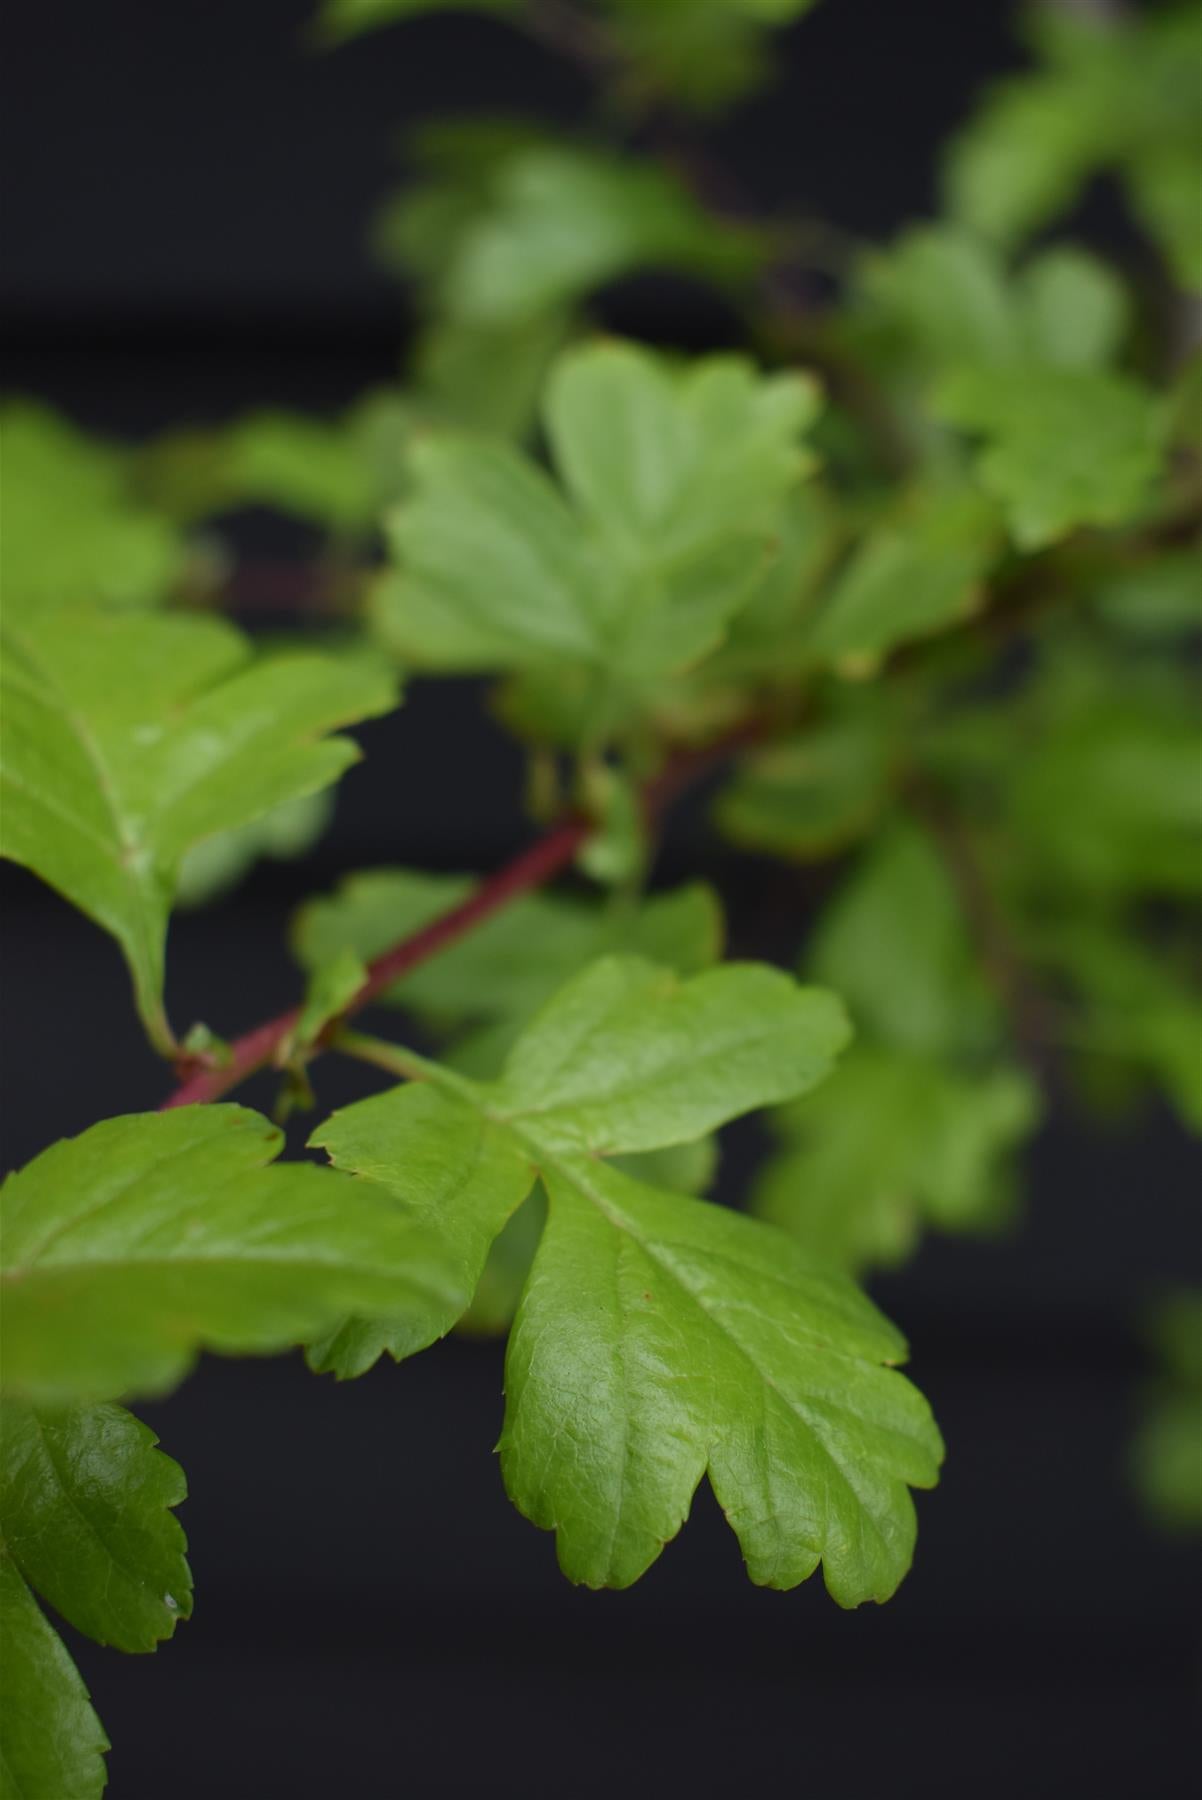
[{"x": 915, "y": 573}]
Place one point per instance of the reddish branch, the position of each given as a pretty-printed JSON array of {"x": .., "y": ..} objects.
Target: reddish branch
[
  {"x": 266, "y": 1044},
  {"x": 259, "y": 1048}
]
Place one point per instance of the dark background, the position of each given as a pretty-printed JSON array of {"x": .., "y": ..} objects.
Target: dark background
[{"x": 188, "y": 187}]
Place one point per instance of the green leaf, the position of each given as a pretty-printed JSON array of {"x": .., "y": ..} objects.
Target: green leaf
[
  {"x": 703, "y": 54},
  {"x": 487, "y": 378},
  {"x": 307, "y": 467},
  {"x": 676, "y": 479},
  {"x": 1130, "y": 1000},
  {"x": 946, "y": 292},
  {"x": 1167, "y": 1452},
  {"x": 560, "y": 222},
  {"x": 52, "y": 1744},
  {"x": 627, "y": 1057},
  {"x": 337, "y": 474},
  {"x": 1160, "y": 598},
  {"x": 896, "y": 945},
  {"x": 808, "y": 796},
  {"x": 1077, "y": 310},
  {"x": 918, "y": 572},
  {"x": 1116, "y": 93},
  {"x": 128, "y": 740},
  {"x": 339, "y": 20},
  {"x": 73, "y": 528},
  {"x": 1105, "y": 799},
  {"x": 513, "y": 963},
  {"x": 658, "y": 1337},
  {"x": 891, "y": 1143},
  {"x": 458, "y": 1173},
  {"x": 85, "y": 1511},
  {"x": 1064, "y": 447},
  {"x": 330, "y": 990},
  {"x": 130, "y": 1248},
  {"x": 216, "y": 864}
]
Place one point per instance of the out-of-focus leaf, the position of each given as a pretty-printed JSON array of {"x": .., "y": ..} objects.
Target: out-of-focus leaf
[
  {"x": 512, "y": 226},
  {"x": 1115, "y": 92},
  {"x": 216, "y": 864},
  {"x": 74, "y": 529},
  {"x": 342, "y": 19},
  {"x": 808, "y": 796},
  {"x": 1128, "y": 1002},
  {"x": 1075, "y": 309},
  {"x": 337, "y": 474},
  {"x": 1167, "y": 1451},
  {"x": 918, "y": 572},
  {"x": 1158, "y": 598},
  {"x": 896, "y": 945},
  {"x": 1106, "y": 799},
  {"x": 703, "y": 54},
  {"x": 891, "y": 1144},
  {"x": 1063, "y": 447},
  {"x": 128, "y": 739},
  {"x": 674, "y": 481},
  {"x": 514, "y": 961}
]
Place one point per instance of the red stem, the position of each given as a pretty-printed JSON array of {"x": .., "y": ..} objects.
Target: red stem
[
  {"x": 257, "y": 1048},
  {"x": 545, "y": 858}
]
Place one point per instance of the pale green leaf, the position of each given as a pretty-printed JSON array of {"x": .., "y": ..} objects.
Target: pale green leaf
[
  {"x": 1167, "y": 1452},
  {"x": 919, "y": 571},
  {"x": 331, "y": 988},
  {"x": 676, "y": 479},
  {"x": 127, "y": 740},
  {"x": 52, "y": 1744},
  {"x": 895, "y": 944},
  {"x": 702, "y": 54},
  {"x": 1076, "y": 309},
  {"x": 1063, "y": 447},
  {"x": 1106, "y": 800},
  {"x": 808, "y": 796},
  {"x": 216, "y": 864},
  {"x": 1118, "y": 92},
  {"x": 85, "y": 1513},
  {"x": 946, "y": 291},
  {"x": 893, "y": 1143},
  {"x": 1159, "y": 598},
  {"x": 128, "y": 1249},
  {"x": 559, "y": 222},
  {"x": 514, "y": 961},
  {"x": 74, "y": 529}
]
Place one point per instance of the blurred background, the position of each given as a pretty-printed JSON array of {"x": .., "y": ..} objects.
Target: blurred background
[{"x": 185, "y": 239}]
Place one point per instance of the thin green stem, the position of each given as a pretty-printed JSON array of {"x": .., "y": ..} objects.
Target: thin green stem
[{"x": 394, "y": 1059}]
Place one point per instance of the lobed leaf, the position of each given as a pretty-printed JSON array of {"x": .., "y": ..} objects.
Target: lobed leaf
[
  {"x": 657, "y": 1336},
  {"x": 675, "y": 481},
  {"x": 128, "y": 1249},
  {"x": 1064, "y": 448},
  {"x": 51, "y": 1743},
  {"x": 126, "y": 741}
]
